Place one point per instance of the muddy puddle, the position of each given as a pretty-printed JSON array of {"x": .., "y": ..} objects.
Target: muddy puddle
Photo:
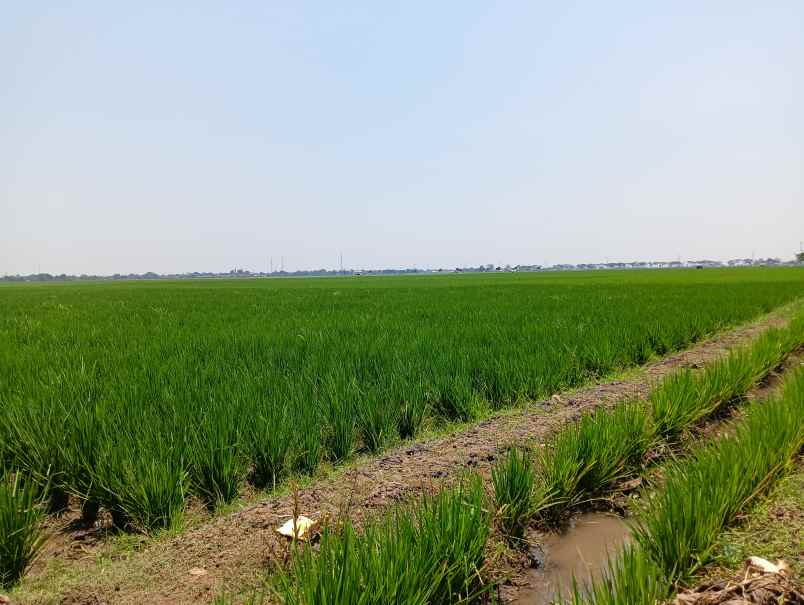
[{"x": 581, "y": 551}]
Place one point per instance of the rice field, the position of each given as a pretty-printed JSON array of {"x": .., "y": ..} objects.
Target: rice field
[
  {"x": 700, "y": 489},
  {"x": 135, "y": 396},
  {"x": 409, "y": 555}
]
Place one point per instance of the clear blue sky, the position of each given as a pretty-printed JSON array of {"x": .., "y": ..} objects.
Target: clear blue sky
[{"x": 181, "y": 136}]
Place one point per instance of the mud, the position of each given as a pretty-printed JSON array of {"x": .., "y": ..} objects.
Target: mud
[{"x": 579, "y": 552}]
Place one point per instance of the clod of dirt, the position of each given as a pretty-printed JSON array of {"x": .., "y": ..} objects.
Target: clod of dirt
[
  {"x": 198, "y": 571},
  {"x": 631, "y": 485},
  {"x": 82, "y": 598},
  {"x": 536, "y": 556},
  {"x": 762, "y": 583}
]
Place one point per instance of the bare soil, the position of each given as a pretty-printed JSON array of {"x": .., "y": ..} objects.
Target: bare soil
[{"x": 232, "y": 553}]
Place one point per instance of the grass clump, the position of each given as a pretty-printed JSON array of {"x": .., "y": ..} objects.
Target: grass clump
[
  {"x": 21, "y": 533},
  {"x": 513, "y": 481},
  {"x": 434, "y": 553}
]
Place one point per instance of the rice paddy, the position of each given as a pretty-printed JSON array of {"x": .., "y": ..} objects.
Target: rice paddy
[
  {"x": 673, "y": 536},
  {"x": 134, "y": 397}
]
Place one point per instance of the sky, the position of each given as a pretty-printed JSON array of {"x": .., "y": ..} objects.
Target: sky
[{"x": 204, "y": 136}]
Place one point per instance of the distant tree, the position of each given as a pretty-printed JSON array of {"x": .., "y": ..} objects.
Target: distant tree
[{"x": 800, "y": 257}]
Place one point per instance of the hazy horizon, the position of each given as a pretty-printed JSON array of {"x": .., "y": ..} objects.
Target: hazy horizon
[{"x": 202, "y": 137}]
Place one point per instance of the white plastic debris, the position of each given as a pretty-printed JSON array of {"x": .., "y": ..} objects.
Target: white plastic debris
[
  {"x": 766, "y": 566},
  {"x": 303, "y": 527}
]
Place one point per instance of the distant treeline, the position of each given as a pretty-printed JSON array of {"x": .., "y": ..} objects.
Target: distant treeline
[{"x": 762, "y": 262}]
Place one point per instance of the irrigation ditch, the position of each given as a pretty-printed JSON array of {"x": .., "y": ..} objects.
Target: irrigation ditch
[
  {"x": 582, "y": 548},
  {"x": 234, "y": 551},
  {"x": 698, "y": 498}
]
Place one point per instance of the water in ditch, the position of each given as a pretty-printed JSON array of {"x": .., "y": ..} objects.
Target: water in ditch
[{"x": 581, "y": 551}]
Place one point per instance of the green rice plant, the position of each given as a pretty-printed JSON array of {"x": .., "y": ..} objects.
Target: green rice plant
[
  {"x": 433, "y": 553},
  {"x": 378, "y": 422},
  {"x": 513, "y": 481},
  {"x": 412, "y": 414},
  {"x": 685, "y": 398},
  {"x": 619, "y": 437},
  {"x": 32, "y": 438},
  {"x": 307, "y": 448},
  {"x": 218, "y": 465},
  {"x": 270, "y": 439},
  {"x": 145, "y": 479},
  {"x": 152, "y": 493},
  {"x": 587, "y": 458},
  {"x": 341, "y": 436},
  {"x": 21, "y": 535},
  {"x": 453, "y": 528},
  {"x": 674, "y": 404},
  {"x": 702, "y": 495},
  {"x": 79, "y": 457},
  {"x": 455, "y": 398}
]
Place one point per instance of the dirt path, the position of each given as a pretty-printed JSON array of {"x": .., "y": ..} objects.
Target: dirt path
[{"x": 233, "y": 552}]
